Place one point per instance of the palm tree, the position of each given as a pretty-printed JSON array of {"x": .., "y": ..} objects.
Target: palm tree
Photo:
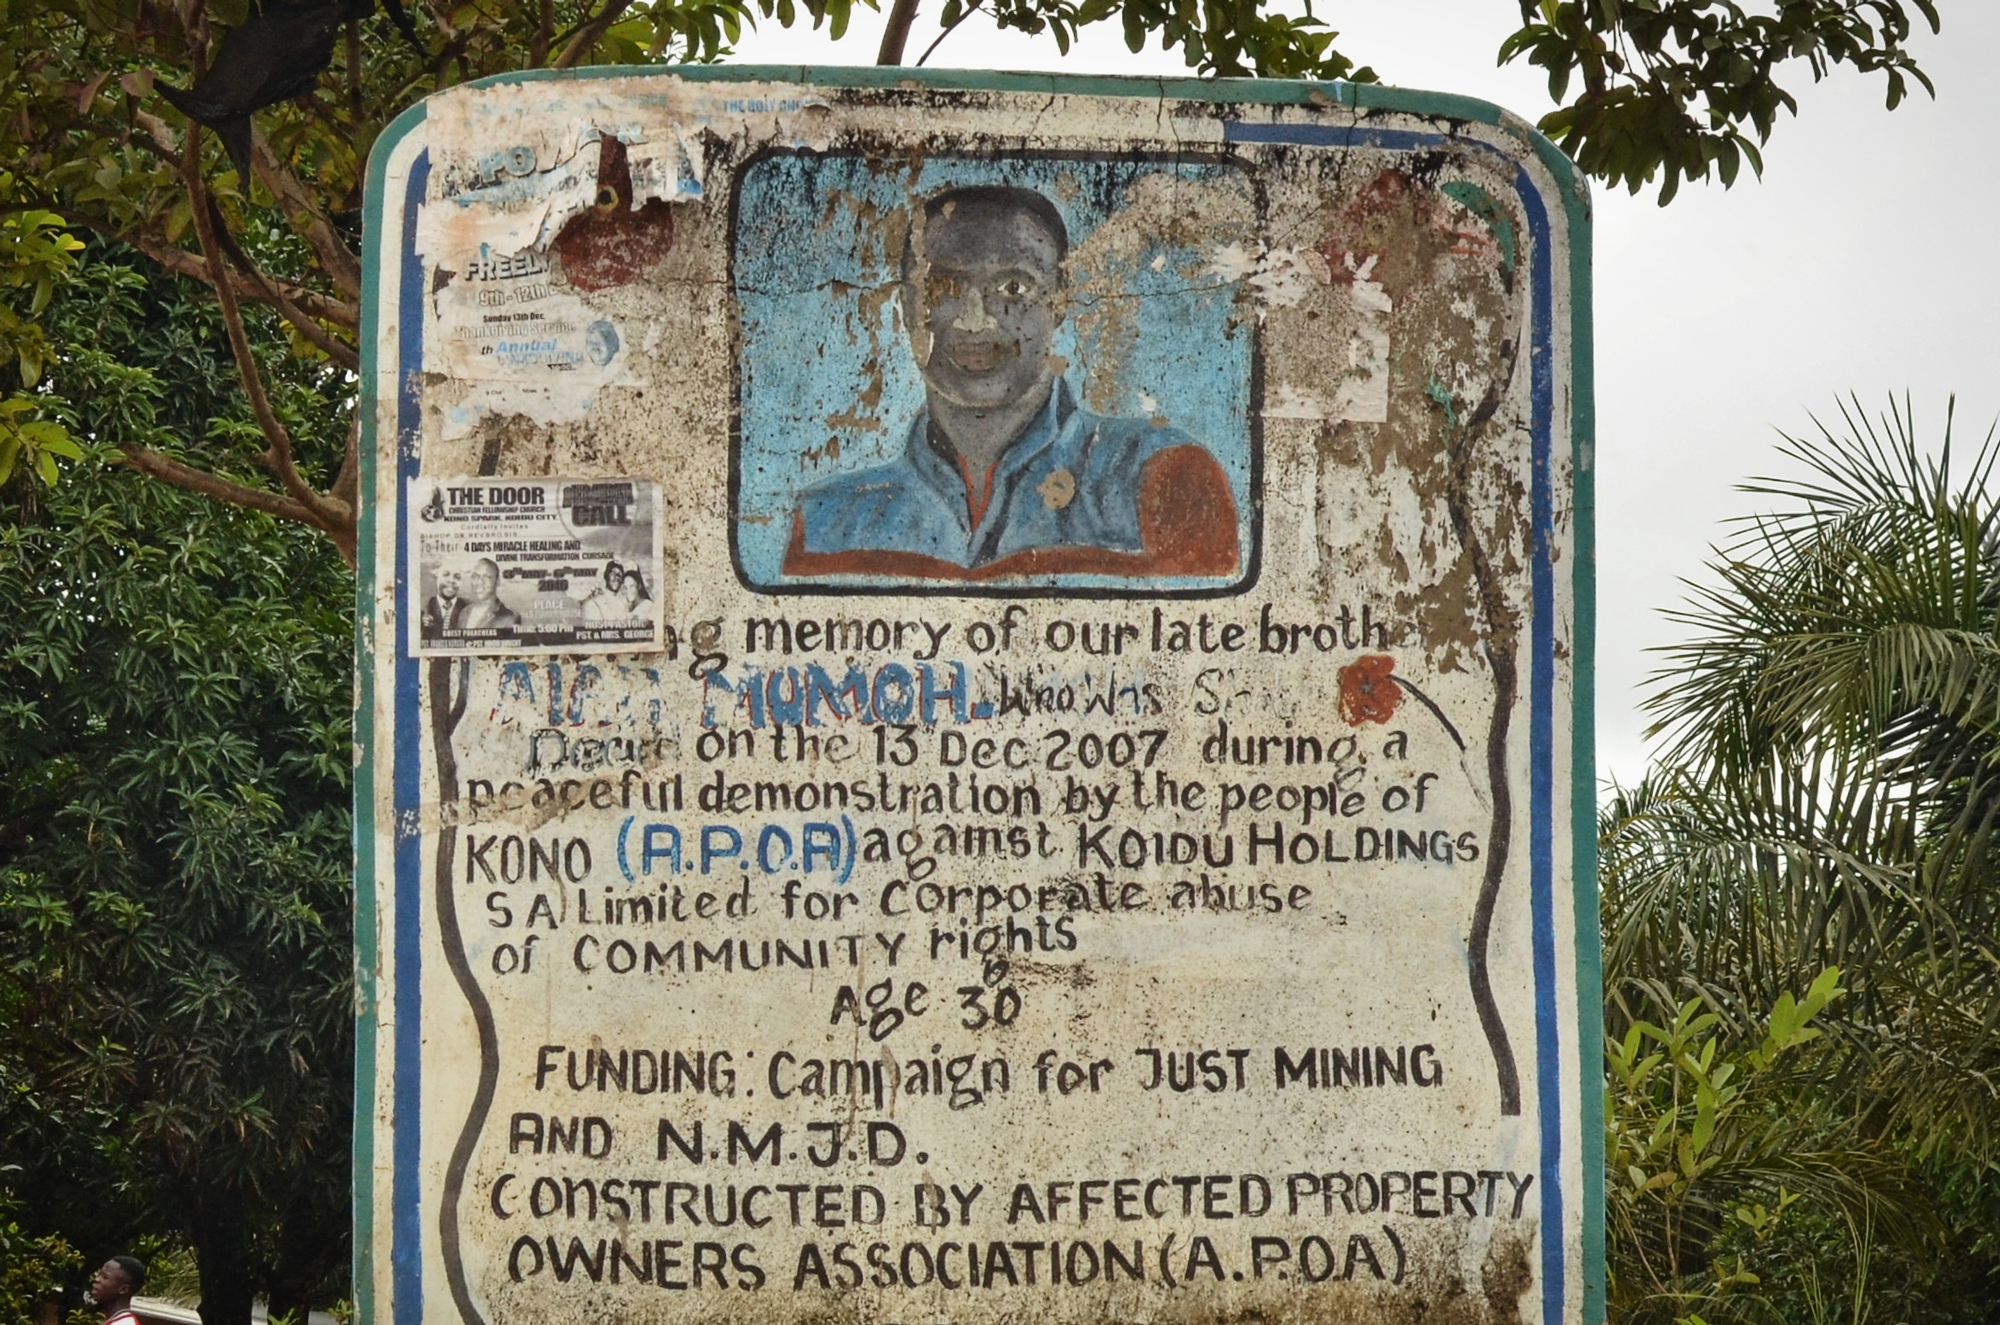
[
  {"x": 1830, "y": 784},
  {"x": 1827, "y": 798}
]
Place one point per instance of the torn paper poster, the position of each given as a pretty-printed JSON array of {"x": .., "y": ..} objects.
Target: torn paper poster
[
  {"x": 544, "y": 565},
  {"x": 518, "y": 197},
  {"x": 497, "y": 318},
  {"x": 563, "y": 402}
]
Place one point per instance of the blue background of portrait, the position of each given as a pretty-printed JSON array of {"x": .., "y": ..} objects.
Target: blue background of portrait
[{"x": 821, "y": 329}]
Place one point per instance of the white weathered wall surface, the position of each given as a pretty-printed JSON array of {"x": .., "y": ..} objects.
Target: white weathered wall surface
[{"x": 1045, "y": 941}]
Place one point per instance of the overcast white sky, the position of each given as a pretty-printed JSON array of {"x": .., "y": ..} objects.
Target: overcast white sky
[{"x": 1864, "y": 261}]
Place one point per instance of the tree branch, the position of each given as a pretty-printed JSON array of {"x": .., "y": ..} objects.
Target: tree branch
[
  {"x": 157, "y": 129},
  {"x": 897, "y": 35},
  {"x": 347, "y": 490},
  {"x": 950, "y": 28},
  {"x": 302, "y": 505},
  {"x": 341, "y": 266},
  {"x": 168, "y": 470},
  {"x": 585, "y": 40},
  {"x": 454, "y": 46},
  {"x": 355, "y": 109},
  {"x": 326, "y": 514},
  {"x": 183, "y": 263},
  {"x": 347, "y": 483},
  {"x": 311, "y": 330},
  {"x": 545, "y": 35}
]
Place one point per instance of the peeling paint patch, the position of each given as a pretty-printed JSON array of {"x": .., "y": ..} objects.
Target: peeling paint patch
[
  {"x": 1279, "y": 278},
  {"x": 624, "y": 233}
]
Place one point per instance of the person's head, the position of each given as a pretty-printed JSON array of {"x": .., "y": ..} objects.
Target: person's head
[
  {"x": 482, "y": 581},
  {"x": 614, "y": 576},
  {"x": 600, "y": 343},
  {"x": 447, "y": 583},
  {"x": 983, "y": 293},
  {"x": 632, "y": 589},
  {"x": 116, "y": 1281}
]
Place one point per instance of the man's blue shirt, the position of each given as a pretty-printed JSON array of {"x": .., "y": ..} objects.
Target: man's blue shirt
[{"x": 1070, "y": 480}]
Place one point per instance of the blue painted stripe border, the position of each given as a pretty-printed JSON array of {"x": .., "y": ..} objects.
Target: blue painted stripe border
[
  {"x": 1541, "y": 757},
  {"x": 1541, "y": 719},
  {"x": 406, "y": 1256}
]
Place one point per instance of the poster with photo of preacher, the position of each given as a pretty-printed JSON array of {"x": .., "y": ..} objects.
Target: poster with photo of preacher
[{"x": 536, "y": 566}]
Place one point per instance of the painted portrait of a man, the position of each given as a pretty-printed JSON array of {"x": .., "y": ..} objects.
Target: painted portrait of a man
[
  {"x": 1002, "y": 472},
  {"x": 1006, "y": 375}
]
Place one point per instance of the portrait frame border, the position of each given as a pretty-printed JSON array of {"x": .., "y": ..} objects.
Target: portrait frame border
[{"x": 1242, "y": 583}]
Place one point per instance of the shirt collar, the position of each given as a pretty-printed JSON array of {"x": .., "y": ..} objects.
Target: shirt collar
[{"x": 936, "y": 461}]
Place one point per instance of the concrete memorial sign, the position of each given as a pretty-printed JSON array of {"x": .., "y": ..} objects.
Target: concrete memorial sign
[{"x": 975, "y": 706}]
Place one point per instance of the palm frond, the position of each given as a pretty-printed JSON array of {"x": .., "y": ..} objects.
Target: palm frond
[{"x": 1830, "y": 787}]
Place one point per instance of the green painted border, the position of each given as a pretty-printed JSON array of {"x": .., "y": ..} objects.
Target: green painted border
[
  {"x": 1588, "y": 938},
  {"x": 1583, "y": 728},
  {"x": 367, "y": 951},
  {"x": 1573, "y": 188}
]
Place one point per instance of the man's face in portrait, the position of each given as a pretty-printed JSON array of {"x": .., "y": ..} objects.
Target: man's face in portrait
[
  {"x": 983, "y": 302},
  {"x": 447, "y": 585},
  {"x": 482, "y": 581},
  {"x": 600, "y": 343}
]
